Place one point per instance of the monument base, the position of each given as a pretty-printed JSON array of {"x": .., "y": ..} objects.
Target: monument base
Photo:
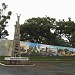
[
  {"x": 11, "y": 62},
  {"x": 17, "y": 61}
]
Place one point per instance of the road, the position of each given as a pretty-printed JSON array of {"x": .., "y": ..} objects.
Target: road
[{"x": 51, "y": 68}]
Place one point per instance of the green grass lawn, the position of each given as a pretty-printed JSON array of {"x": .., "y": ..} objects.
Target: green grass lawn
[
  {"x": 47, "y": 58},
  {"x": 52, "y": 58},
  {"x": 2, "y": 58}
]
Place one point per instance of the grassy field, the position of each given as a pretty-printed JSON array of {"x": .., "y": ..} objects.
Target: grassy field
[
  {"x": 47, "y": 58},
  {"x": 52, "y": 58},
  {"x": 2, "y": 58}
]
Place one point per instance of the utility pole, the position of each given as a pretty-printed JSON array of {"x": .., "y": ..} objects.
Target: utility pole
[{"x": 16, "y": 42}]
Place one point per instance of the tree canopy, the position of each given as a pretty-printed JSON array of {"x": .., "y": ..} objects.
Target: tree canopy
[
  {"x": 37, "y": 30},
  {"x": 66, "y": 29},
  {"x": 47, "y": 30},
  {"x": 4, "y": 20}
]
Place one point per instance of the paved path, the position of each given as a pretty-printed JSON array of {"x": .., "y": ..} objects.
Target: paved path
[{"x": 51, "y": 68}]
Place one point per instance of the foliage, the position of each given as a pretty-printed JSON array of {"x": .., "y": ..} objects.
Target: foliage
[
  {"x": 47, "y": 30},
  {"x": 73, "y": 39},
  {"x": 66, "y": 29},
  {"x": 4, "y": 20},
  {"x": 39, "y": 30}
]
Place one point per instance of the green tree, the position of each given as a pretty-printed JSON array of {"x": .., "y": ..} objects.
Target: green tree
[
  {"x": 40, "y": 30},
  {"x": 73, "y": 39},
  {"x": 37, "y": 30},
  {"x": 66, "y": 29},
  {"x": 4, "y": 20}
]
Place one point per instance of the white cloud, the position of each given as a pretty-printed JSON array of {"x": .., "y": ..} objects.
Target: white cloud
[{"x": 59, "y": 9}]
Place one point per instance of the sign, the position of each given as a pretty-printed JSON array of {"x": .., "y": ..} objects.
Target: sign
[{"x": 16, "y": 58}]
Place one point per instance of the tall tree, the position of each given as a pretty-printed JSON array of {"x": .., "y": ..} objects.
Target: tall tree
[
  {"x": 73, "y": 39},
  {"x": 66, "y": 29},
  {"x": 37, "y": 29},
  {"x": 40, "y": 30},
  {"x": 4, "y": 20}
]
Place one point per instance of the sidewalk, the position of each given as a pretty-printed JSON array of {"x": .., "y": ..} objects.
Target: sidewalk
[{"x": 16, "y": 65}]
